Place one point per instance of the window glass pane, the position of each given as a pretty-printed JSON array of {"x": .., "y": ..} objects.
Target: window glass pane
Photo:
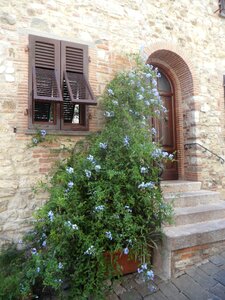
[
  {"x": 163, "y": 84},
  {"x": 44, "y": 112},
  {"x": 71, "y": 111}
]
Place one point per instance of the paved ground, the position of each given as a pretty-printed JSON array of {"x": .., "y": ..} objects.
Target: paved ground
[{"x": 204, "y": 282}]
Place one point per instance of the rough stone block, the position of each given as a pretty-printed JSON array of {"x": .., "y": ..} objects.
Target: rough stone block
[
  {"x": 217, "y": 260},
  {"x": 220, "y": 277},
  {"x": 209, "y": 268},
  {"x": 131, "y": 295}
]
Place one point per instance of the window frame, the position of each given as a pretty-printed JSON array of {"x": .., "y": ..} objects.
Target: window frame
[
  {"x": 221, "y": 8},
  {"x": 58, "y": 123}
]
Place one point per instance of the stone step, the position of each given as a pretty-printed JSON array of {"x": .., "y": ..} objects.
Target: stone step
[
  {"x": 179, "y": 237},
  {"x": 199, "y": 229},
  {"x": 200, "y": 213},
  {"x": 174, "y": 186},
  {"x": 186, "y": 245},
  {"x": 192, "y": 198}
]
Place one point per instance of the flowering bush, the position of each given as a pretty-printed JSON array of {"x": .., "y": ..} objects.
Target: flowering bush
[
  {"x": 41, "y": 136},
  {"x": 105, "y": 199}
]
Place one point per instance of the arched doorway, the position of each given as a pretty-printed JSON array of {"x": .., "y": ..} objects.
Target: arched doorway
[
  {"x": 166, "y": 125},
  {"x": 180, "y": 74}
]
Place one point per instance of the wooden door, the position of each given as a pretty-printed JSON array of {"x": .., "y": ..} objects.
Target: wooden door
[{"x": 166, "y": 126}]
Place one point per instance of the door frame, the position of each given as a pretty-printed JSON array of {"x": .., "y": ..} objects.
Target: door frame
[{"x": 174, "y": 166}]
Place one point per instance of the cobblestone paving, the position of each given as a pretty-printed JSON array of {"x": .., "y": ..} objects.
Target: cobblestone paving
[{"x": 203, "y": 282}]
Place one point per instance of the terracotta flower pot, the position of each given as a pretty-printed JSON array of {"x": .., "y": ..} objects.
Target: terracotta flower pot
[{"x": 125, "y": 263}]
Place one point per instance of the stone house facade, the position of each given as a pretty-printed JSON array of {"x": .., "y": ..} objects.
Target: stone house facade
[{"x": 184, "y": 39}]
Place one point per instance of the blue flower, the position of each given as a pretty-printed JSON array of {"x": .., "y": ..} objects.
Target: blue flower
[
  {"x": 87, "y": 173},
  {"x": 60, "y": 265},
  {"x": 147, "y": 103},
  {"x": 115, "y": 102},
  {"x": 70, "y": 184},
  {"x": 144, "y": 170},
  {"x": 51, "y": 215},
  {"x": 141, "y": 186},
  {"x": 109, "y": 114},
  {"x": 127, "y": 207},
  {"x": 150, "y": 275},
  {"x": 110, "y": 92},
  {"x": 103, "y": 145},
  {"x": 34, "y": 251},
  {"x": 126, "y": 141},
  {"x": 126, "y": 250},
  {"x": 90, "y": 158},
  {"x": 155, "y": 92},
  {"x": 69, "y": 170},
  {"x": 109, "y": 235},
  {"x": 153, "y": 130},
  {"x": 97, "y": 168},
  {"x": 164, "y": 109},
  {"x": 99, "y": 208},
  {"x": 144, "y": 266},
  {"x": 158, "y": 75},
  {"x": 165, "y": 154},
  {"x": 148, "y": 75},
  {"x": 58, "y": 280},
  {"x": 157, "y": 153},
  {"x": 43, "y": 132},
  {"x": 140, "y": 97},
  {"x": 142, "y": 89},
  {"x": 44, "y": 243},
  {"x": 38, "y": 269},
  {"x": 68, "y": 223},
  {"x": 146, "y": 185},
  {"x": 154, "y": 82},
  {"x": 131, "y": 75},
  {"x": 75, "y": 227},
  {"x": 149, "y": 185},
  {"x": 90, "y": 250},
  {"x": 149, "y": 66}
]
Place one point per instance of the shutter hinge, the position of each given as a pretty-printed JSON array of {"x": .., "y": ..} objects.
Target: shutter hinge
[{"x": 89, "y": 59}]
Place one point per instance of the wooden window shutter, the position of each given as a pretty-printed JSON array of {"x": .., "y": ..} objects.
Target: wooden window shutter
[
  {"x": 75, "y": 70},
  {"x": 45, "y": 62}
]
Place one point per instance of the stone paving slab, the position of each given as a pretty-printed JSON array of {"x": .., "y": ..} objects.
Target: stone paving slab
[{"x": 203, "y": 282}]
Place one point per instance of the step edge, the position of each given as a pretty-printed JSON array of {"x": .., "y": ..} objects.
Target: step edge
[
  {"x": 200, "y": 208},
  {"x": 194, "y": 239}
]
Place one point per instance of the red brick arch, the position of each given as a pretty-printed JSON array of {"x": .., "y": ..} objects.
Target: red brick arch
[{"x": 180, "y": 70}]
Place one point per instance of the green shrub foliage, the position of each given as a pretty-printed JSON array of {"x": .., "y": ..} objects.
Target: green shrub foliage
[{"x": 104, "y": 199}]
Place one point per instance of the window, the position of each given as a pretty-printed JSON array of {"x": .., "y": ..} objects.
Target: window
[
  {"x": 59, "y": 91},
  {"x": 222, "y": 8}
]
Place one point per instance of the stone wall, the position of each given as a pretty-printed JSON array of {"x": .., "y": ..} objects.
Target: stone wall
[{"x": 188, "y": 28}]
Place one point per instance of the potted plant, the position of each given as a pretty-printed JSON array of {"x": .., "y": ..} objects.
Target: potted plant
[{"x": 105, "y": 202}]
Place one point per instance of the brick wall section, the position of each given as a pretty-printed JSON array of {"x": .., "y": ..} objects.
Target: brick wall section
[
  {"x": 184, "y": 258},
  {"x": 186, "y": 42}
]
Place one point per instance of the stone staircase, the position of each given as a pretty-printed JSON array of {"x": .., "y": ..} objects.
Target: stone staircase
[{"x": 198, "y": 230}]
